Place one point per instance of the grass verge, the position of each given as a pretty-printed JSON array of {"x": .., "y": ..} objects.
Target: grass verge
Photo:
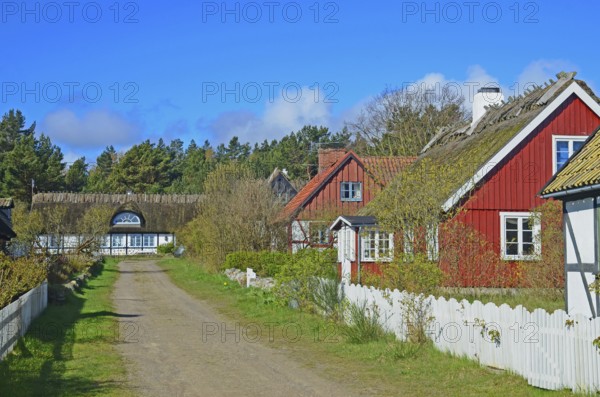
[
  {"x": 69, "y": 350},
  {"x": 384, "y": 367}
]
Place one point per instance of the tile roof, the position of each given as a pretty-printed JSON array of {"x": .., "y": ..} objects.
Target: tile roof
[
  {"x": 581, "y": 170},
  {"x": 383, "y": 169}
]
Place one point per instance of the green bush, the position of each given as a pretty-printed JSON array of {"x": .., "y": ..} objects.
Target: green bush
[
  {"x": 301, "y": 275},
  {"x": 264, "y": 263},
  {"x": 167, "y": 248},
  {"x": 18, "y": 276},
  {"x": 415, "y": 274}
]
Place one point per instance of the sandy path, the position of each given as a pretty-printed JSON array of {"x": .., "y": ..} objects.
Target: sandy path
[{"x": 173, "y": 346}]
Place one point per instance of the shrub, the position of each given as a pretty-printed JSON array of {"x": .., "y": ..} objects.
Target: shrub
[
  {"x": 468, "y": 259},
  {"x": 264, "y": 263},
  {"x": 413, "y": 274},
  {"x": 60, "y": 268},
  {"x": 167, "y": 248},
  {"x": 546, "y": 275},
  {"x": 363, "y": 324},
  {"x": 18, "y": 276},
  {"x": 298, "y": 278}
]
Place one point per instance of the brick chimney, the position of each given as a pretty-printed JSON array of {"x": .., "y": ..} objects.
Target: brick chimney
[{"x": 328, "y": 157}]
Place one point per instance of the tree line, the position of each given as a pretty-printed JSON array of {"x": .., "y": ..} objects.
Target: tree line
[{"x": 393, "y": 123}]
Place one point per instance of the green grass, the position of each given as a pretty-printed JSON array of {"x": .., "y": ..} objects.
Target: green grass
[
  {"x": 70, "y": 349},
  {"x": 384, "y": 367}
]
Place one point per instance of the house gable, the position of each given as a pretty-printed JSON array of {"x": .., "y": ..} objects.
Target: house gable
[
  {"x": 573, "y": 94},
  {"x": 325, "y": 200}
]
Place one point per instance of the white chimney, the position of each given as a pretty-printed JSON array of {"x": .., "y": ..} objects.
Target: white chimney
[{"x": 486, "y": 96}]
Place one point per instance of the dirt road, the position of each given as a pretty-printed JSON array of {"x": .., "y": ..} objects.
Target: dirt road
[{"x": 176, "y": 345}]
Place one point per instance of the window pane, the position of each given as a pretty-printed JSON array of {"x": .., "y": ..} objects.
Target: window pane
[
  {"x": 512, "y": 249},
  {"x": 512, "y": 236},
  {"x": 512, "y": 223},
  {"x": 562, "y": 146},
  {"x": 577, "y": 145},
  {"x": 527, "y": 224},
  {"x": 527, "y": 237},
  {"x": 528, "y": 249}
]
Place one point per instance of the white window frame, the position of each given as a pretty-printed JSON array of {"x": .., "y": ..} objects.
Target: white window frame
[
  {"x": 570, "y": 139},
  {"x": 535, "y": 237},
  {"x": 127, "y": 218},
  {"x": 145, "y": 240},
  {"x": 377, "y": 257},
  {"x": 132, "y": 240},
  {"x": 352, "y": 188}
]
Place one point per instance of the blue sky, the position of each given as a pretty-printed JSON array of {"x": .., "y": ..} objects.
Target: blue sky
[{"x": 92, "y": 74}]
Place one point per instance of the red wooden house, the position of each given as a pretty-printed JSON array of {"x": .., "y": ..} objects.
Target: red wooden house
[
  {"x": 514, "y": 148},
  {"x": 345, "y": 184}
]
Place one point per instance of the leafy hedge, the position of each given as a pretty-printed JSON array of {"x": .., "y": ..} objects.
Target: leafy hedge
[
  {"x": 18, "y": 276},
  {"x": 264, "y": 263}
]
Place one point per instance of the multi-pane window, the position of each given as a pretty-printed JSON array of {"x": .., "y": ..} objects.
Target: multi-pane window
[
  {"x": 149, "y": 240},
  {"x": 376, "y": 246},
  {"x": 564, "y": 147},
  {"x": 118, "y": 240},
  {"x": 520, "y": 236},
  {"x": 136, "y": 240},
  {"x": 351, "y": 191}
]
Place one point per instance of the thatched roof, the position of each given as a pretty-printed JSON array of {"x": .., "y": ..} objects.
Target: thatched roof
[{"x": 160, "y": 213}]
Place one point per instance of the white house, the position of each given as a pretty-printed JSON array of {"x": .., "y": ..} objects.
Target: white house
[{"x": 138, "y": 224}]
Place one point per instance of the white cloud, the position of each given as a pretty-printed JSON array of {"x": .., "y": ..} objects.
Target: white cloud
[
  {"x": 540, "y": 71},
  {"x": 93, "y": 129},
  {"x": 278, "y": 119}
]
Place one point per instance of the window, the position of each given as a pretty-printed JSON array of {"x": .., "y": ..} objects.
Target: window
[
  {"x": 351, "y": 191},
  {"x": 319, "y": 233},
  {"x": 377, "y": 246},
  {"x": 136, "y": 240},
  {"x": 520, "y": 236},
  {"x": 563, "y": 148},
  {"x": 127, "y": 219},
  {"x": 118, "y": 240},
  {"x": 149, "y": 240}
]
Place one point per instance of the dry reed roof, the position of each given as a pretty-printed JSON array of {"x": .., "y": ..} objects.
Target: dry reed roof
[
  {"x": 473, "y": 146},
  {"x": 160, "y": 212}
]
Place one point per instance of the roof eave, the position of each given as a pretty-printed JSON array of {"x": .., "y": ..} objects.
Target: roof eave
[{"x": 571, "y": 191}]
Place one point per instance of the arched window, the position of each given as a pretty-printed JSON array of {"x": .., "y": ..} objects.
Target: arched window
[{"x": 127, "y": 219}]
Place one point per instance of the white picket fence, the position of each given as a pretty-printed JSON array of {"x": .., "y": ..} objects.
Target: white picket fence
[
  {"x": 16, "y": 318},
  {"x": 552, "y": 351}
]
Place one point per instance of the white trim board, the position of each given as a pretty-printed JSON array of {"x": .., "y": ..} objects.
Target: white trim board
[{"x": 491, "y": 164}]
